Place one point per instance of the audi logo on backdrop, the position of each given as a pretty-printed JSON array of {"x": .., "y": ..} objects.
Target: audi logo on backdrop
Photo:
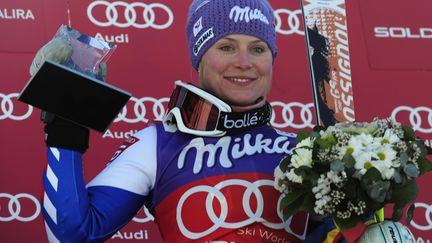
[
  {"x": 9, "y": 110},
  {"x": 288, "y": 22},
  {"x": 295, "y": 114},
  {"x": 18, "y": 206},
  {"x": 136, "y": 14},
  {"x": 427, "y": 225},
  {"x": 420, "y": 117},
  {"x": 139, "y": 111}
]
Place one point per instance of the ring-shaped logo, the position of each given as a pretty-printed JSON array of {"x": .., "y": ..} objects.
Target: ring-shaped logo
[
  {"x": 428, "y": 217},
  {"x": 148, "y": 217},
  {"x": 140, "y": 111},
  {"x": 415, "y": 118},
  {"x": 14, "y": 207},
  {"x": 252, "y": 188},
  {"x": 293, "y": 21},
  {"x": 130, "y": 15},
  {"x": 306, "y": 115},
  {"x": 7, "y": 108}
]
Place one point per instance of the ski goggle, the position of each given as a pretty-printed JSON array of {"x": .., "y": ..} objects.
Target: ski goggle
[
  {"x": 198, "y": 112},
  {"x": 195, "y": 110}
]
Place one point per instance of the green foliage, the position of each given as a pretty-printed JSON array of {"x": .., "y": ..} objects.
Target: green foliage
[
  {"x": 359, "y": 167},
  {"x": 302, "y": 135}
]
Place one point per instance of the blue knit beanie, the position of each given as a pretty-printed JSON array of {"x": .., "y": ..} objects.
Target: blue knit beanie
[{"x": 210, "y": 20}]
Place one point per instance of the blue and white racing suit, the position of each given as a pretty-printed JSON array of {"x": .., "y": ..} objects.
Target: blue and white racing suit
[{"x": 201, "y": 189}]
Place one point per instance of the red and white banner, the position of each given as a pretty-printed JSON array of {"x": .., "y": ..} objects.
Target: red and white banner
[{"x": 390, "y": 43}]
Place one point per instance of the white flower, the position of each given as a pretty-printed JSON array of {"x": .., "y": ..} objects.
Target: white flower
[
  {"x": 363, "y": 161},
  {"x": 364, "y": 139},
  {"x": 292, "y": 176},
  {"x": 307, "y": 142},
  {"x": 302, "y": 157},
  {"x": 385, "y": 161},
  {"x": 389, "y": 137},
  {"x": 278, "y": 173},
  {"x": 357, "y": 144},
  {"x": 279, "y": 176}
]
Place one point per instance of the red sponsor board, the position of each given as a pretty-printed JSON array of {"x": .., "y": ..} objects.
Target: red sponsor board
[{"x": 397, "y": 35}]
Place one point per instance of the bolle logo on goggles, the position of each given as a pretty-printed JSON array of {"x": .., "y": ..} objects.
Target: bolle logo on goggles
[
  {"x": 247, "y": 14},
  {"x": 206, "y": 36},
  {"x": 246, "y": 121}
]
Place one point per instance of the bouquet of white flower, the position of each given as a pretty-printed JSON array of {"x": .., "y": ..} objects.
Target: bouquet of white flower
[{"x": 350, "y": 170}]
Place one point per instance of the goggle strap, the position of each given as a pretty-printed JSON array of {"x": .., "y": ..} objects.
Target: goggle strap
[{"x": 241, "y": 120}]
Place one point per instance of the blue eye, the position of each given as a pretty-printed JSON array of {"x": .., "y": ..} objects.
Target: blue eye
[
  {"x": 259, "y": 49},
  {"x": 226, "y": 48}
]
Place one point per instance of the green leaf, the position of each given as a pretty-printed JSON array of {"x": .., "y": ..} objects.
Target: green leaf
[
  {"x": 421, "y": 145},
  {"x": 411, "y": 170},
  {"x": 301, "y": 135},
  {"x": 424, "y": 165},
  {"x": 290, "y": 198},
  {"x": 372, "y": 174},
  {"x": 406, "y": 193},
  {"x": 409, "y": 133},
  {"x": 397, "y": 213},
  {"x": 374, "y": 186},
  {"x": 283, "y": 165},
  {"x": 323, "y": 143},
  {"x": 318, "y": 128},
  {"x": 429, "y": 150},
  {"x": 337, "y": 166},
  {"x": 397, "y": 177},
  {"x": 309, "y": 203},
  {"x": 403, "y": 158},
  {"x": 410, "y": 213},
  {"x": 348, "y": 160},
  {"x": 348, "y": 223},
  {"x": 378, "y": 190},
  {"x": 293, "y": 207},
  {"x": 350, "y": 188}
]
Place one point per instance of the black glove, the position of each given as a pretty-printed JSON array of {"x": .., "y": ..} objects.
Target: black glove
[{"x": 62, "y": 133}]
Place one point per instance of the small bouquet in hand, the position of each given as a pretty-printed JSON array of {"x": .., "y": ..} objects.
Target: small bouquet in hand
[{"x": 350, "y": 170}]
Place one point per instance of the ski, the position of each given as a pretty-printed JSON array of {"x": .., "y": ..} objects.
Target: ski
[{"x": 326, "y": 35}]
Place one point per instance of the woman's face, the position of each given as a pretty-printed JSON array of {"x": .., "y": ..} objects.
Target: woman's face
[{"x": 237, "y": 69}]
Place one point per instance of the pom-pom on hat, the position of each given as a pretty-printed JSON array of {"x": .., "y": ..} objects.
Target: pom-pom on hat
[{"x": 210, "y": 20}]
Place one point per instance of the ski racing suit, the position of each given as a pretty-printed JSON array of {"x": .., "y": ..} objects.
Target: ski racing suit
[{"x": 200, "y": 189}]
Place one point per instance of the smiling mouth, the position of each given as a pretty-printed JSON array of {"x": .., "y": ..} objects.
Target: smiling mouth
[{"x": 240, "y": 79}]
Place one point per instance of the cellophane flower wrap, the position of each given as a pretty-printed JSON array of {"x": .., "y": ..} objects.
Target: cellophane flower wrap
[{"x": 350, "y": 170}]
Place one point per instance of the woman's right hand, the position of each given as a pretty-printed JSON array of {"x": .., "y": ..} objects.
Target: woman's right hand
[{"x": 58, "y": 50}]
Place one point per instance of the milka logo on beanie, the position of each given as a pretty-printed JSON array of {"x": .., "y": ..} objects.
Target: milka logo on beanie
[
  {"x": 202, "y": 40},
  {"x": 247, "y": 14}
]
